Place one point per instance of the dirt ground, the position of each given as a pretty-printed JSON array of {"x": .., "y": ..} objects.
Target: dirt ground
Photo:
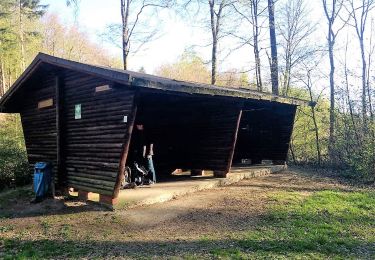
[{"x": 159, "y": 230}]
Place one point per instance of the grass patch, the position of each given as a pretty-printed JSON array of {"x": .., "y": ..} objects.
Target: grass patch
[
  {"x": 14, "y": 195},
  {"x": 232, "y": 253},
  {"x": 42, "y": 249},
  {"x": 326, "y": 224}
]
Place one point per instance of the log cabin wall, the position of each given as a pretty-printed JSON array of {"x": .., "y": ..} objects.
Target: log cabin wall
[
  {"x": 39, "y": 124},
  {"x": 190, "y": 132},
  {"x": 93, "y": 143}
]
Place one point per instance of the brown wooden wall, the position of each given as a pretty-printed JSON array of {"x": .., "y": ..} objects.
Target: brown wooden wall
[
  {"x": 90, "y": 147},
  {"x": 94, "y": 143},
  {"x": 39, "y": 125}
]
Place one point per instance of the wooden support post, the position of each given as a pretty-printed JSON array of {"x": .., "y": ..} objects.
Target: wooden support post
[
  {"x": 108, "y": 200},
  {"x": 83, "y": 195},
  {"x": 196, "y": 172},
  {"x": 61, "y": 176},
  {"x": 223, "y": 174},
  {"x": 220, "y": 174},
  {"x": 125, "y": 150}
]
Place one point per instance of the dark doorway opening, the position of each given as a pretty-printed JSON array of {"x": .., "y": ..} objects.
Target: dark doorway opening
[{"x": 254, "y": 136}]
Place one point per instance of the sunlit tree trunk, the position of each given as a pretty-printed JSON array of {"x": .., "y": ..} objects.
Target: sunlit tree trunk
[
  {"x": 125, "y": 31},
  {"x": 274, "y": 64},
  {"x": 254, "y": 17},
  {"x": 215, "y": 19},
  {"x": 22, "y": 39}
]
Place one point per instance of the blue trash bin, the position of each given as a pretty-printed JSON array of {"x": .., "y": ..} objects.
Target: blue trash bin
[{"x": 42, "y": 179}]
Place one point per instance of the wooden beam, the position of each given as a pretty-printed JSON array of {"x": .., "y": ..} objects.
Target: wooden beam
[
  {"x": 234, "y": 141},
  {"x": 125, "y": 150},
  {"x": 61, "y": 176}
]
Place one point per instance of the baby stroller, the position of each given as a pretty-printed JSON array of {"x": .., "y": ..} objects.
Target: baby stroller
[{"x": 137, "y": 175}]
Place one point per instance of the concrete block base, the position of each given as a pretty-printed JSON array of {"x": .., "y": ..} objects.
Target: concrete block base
[
  {"x": 220, "y": 174},
  {"x": 83, "y": 195},
  {"x": 108, "y": 200}
]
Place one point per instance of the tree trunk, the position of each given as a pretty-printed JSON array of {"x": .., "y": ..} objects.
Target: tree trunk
[
  {"x": 332, "y": 92},
  {"x": 364, "y": 100},
  {"x": 3, "y": 80},
  {"x": 314, "y": 121},
  {"x": 213, "y": 69},
  {"x": 274, "y": 65},
  {"x": 22, "y": 40},
  {"x": 292, "y": 152},
  {"x": 350, "y": 105},
  {"x": 368, "y": 85},
  {"x": 287, "y": 72},
  {"x": 254, "y": 10},
  {"x": 125, "y": 31},
  {"x": 214, "y": 31}
]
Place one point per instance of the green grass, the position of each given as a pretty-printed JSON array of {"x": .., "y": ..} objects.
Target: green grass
[
  {"x": 327, "y": 224},
  {"x": 10, "y": 196},
  {"x": 320, "y": 225},
  {"x": 42, "y": 249}
]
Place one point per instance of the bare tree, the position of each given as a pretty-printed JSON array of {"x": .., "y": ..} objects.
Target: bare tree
[
  {"x": 359, "y": 16},
  {"x": 309, "y": 85},
  {"x": 369, "y": 64},
  {"x": 252, "y": 12},
  {"x": 332, "y": 10},
  {"x": 215, "y": 18},
  {"x": 218, "y": 11},
  {"x": 27, "y": 9},
  {"x": 274, "y": 65},
  {"x": 347, "y": 90},
  {"x": 75, "y": 5},
  {"x": 130, "y": 22},
  {"x": 255, "y": 13},
  {"x": 295, "y": 29}
]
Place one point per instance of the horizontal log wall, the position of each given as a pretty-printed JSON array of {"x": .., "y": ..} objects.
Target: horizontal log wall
[
  {"x": 39, "y": 124},
  {"x": 93, "y": 144}
]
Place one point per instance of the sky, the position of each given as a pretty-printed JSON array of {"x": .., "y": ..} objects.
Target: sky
[
  {"x": 178, "y": 34},
  {"x": 95, "y": 15},
  {"x": 175, "y": 36}
]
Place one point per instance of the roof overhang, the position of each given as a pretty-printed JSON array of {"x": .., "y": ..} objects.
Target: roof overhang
[{"x": 145, "y": 81}]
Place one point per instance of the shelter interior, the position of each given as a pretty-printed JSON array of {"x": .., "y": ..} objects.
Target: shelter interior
[{"x": 199, "y": 133}]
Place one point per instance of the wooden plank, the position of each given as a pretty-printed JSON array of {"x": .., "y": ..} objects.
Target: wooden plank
[
  {"x": 234, "y": 142},
  {"x": 125, "y": 151},
  {"x": 61, "y": 176}
]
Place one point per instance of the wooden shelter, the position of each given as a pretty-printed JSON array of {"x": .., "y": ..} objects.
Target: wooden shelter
[{"x": 80, "y": 118}]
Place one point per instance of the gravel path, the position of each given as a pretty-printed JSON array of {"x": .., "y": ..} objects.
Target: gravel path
[{"x": 160, "y": 230}]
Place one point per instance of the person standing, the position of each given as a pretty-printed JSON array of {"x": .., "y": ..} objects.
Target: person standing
[{"x": 142, "y": 151}]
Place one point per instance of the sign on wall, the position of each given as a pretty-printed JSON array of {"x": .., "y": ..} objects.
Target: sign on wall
[{"x": 77, "y": 111}]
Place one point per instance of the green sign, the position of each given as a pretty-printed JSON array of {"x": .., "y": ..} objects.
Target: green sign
[{"x": 77, "y": 111}]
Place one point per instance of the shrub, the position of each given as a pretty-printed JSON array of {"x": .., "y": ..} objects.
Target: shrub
[{"x": 14, "y": 168}]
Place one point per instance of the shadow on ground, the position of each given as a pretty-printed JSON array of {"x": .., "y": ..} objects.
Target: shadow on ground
[
  {"x": 168, "y": 249},
  {"x": 24, "y": 208}
]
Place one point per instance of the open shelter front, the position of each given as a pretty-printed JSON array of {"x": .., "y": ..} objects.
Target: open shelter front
[
  {"x": 189, "y": 132},
  {"x": 264, "y": 133},
  {"x": 81, "y": 119}
]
